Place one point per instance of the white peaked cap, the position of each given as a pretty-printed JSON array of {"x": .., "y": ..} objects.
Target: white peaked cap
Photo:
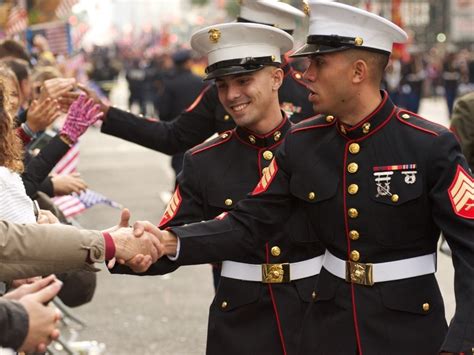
[
  {"x": 334, "y": 26},
  {"x": 233, "y": 48},
  {"x": 270, "y": 12}
]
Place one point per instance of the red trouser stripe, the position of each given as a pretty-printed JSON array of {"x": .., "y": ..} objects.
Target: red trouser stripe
[{"x": 275, "y": 309}]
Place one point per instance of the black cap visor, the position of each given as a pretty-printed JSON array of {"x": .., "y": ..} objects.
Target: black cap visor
[
  {"x": 321, "y": 44},
  {"x": 315, "y": 49},
  {"x": 238, "y": 66}
]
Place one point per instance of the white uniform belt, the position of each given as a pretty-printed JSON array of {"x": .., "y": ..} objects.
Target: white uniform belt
[
  {"x": 368, "y": 274},
  {"x": 272, "y": 273}
]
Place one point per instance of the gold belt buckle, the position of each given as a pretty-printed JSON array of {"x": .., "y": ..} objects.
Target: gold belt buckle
[
  {"x": 275, "y": 273},
  {"x": 359, "y": 273}
]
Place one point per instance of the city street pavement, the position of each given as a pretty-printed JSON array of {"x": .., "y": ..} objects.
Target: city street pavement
[{"x": 159, "y": 315}]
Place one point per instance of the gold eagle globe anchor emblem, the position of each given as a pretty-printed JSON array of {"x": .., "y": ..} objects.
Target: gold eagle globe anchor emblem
[{"x": 214, "y": 35}]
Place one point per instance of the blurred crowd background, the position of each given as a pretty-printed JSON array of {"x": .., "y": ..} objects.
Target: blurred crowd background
[{"x": 96, "y": 41}]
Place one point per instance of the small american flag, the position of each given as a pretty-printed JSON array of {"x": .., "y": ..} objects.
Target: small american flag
[{"x": 74, "y": 204}]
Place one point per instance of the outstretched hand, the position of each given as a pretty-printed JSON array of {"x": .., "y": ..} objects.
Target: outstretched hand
[
  {"x": 128, "y": 245},
  {"x": 123, "y": 223},
  {"x": 141, "y": 263},
  {"x": 82, "y": 114}
]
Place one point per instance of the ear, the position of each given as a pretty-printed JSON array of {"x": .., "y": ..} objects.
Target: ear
[
  {"x": 277, "y": 78},
  {"x": 359, "y": 71}
]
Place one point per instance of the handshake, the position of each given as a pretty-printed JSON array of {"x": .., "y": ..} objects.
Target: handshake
[{"x": 141, "y": 245}]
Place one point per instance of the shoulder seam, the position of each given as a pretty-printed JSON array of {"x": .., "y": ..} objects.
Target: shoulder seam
[
  {"x": 223, "y": 137},
  {"x": 314, "y": 126},
  {"x": 413, "y": 125}
]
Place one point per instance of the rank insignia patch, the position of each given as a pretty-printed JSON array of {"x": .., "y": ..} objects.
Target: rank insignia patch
[
  {"x": 172, "y": 208},
  {"x": 266, "y": 179},
  {"x": 461, "y": 194}
]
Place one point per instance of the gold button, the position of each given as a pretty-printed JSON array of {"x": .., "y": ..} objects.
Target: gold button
[
  {"x": 406, "y": 116},
  {"x": 355, "y": 255},
  {"x": 226, "y": 117},
  {"x": 252, "y": 139},
  {"x": 352, "y": 189},
  {"x": 224, "y": 135},
  {"x": 313, "y": 295},
  {"x": 358, "y": 41},
  {"x": 366, "y": 128},
  {"x": 354, "y": 235},
  {"x": 224, "y": 304},
  {"x": 228, "y": 202},
  {"x": 343, "y": 129},
  {"x": 311, "y": 195},
  {"x": 353, "y": 213},
  {"x": 275, "y": 251},
  {"x": 354, "y": 148},
  {"x": 352, "y": 168},
  {"x": 395, "y": 198},
  {"x": 273, "y": 58},
  {"x": 426, "y": 307},
  {"x": 298, "y": 76},
  {"x": 277, "y": 136},
  {"x": 329, "y": 118},
  {"x": 267, "y": 155},
  {"x": 264, "y": 170}
]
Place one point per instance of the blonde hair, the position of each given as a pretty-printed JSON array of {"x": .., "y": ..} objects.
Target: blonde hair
[{"x": 11, "y": 147}]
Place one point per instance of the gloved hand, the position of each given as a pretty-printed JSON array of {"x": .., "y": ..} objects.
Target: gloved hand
[{"x": 82, "y": 113}]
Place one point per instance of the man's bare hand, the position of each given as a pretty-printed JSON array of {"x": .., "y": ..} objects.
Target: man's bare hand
[
  {"x": 124, "y": 222},
  {"x": 168, "y": 242},
  {"x": 66, "y": 184},
  {"x": 167, "y": 239},
  {"x": 128, "y": 245}
]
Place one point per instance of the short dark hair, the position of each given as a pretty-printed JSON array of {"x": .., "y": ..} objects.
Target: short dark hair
[
  {"x": 377, "y": 61},
  {"x": 12, "y": 48},
  {"x": 19, "y": 66}
]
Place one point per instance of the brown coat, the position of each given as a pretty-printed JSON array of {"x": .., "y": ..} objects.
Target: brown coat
[
  {"x": 462, "y": 124},
  {"x": 31, "y": 250}
]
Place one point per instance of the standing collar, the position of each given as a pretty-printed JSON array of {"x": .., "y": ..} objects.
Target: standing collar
[
  {"x": 267, "y": 140},
  {"x": 371, "y": 123}
]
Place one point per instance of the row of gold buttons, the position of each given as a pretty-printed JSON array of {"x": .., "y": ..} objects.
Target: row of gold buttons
[{"x": 352, "y": 189}]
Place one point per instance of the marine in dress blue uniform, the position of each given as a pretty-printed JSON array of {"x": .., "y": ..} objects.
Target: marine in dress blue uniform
[
  {"x": 376, "y": 192},
  {"x": 255, "y": 310}
]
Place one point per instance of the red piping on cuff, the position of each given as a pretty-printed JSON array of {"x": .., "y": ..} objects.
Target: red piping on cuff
[{"x": 109, "y": 246}]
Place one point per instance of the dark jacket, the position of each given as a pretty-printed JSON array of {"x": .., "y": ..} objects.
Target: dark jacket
[
  {"x": 35, "y": 176},
  {"x": 201, "y": 120},
  {"x": 330, "y": 170},
  {"x": 13, "y": 324},
  {"x": 180, "y": 89}
]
